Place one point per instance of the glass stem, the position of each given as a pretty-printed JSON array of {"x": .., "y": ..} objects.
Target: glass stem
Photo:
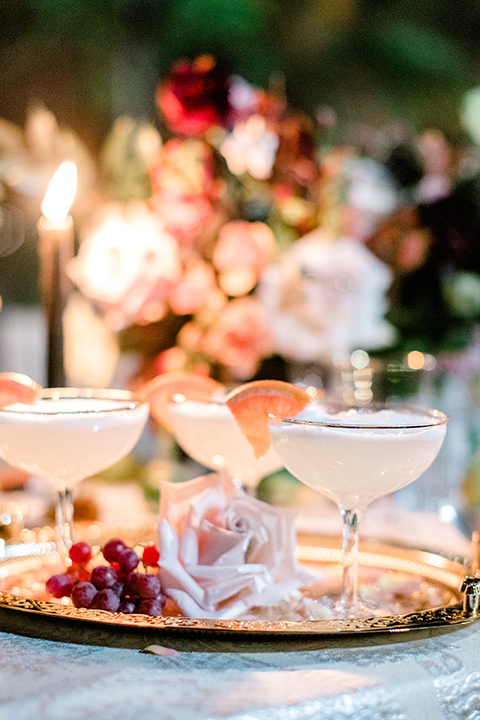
[
  {"x": 247, "y": 487},
  {"x": 64, "y": 520},
  {"x": 350, "y": 561}
]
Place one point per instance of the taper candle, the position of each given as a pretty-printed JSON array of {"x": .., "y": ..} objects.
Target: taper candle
[{"x": 56, "y": 247}]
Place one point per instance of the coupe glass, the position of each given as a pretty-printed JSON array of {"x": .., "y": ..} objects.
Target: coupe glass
[
  {"x": 354, "y": 455},
  {"x": 70, "y": 434},
  {"x": 207, "y": 431}
]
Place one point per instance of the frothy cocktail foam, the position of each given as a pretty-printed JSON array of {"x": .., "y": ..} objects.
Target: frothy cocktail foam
[
  {"x": 69, "y": 439},
  {"x": 367, "y": 454},
  {"x": 208, "y": 432}
]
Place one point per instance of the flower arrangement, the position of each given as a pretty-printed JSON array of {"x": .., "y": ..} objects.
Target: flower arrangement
[
  {"x": 214, "y": 247},
  {"x": 234, "y": 239}
]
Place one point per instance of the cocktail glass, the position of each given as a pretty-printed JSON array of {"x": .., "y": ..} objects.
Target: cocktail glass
[
  {"x": 70, "y": 434},
  {"x": 207, "y": 431},
  {"x": 354, "y": 455}
]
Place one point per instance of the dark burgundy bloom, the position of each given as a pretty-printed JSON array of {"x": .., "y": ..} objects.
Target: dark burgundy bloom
[
  {"x": 296, "y": 165},
  {"x": 402, "y": 241},
  {"x": 194, "y": 97}
]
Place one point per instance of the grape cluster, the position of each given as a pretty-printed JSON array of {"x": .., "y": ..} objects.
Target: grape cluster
[{"x": 116, "y": 587}]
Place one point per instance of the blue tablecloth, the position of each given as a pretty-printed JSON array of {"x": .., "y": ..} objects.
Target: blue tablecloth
[{"x": 432, "y": 679}]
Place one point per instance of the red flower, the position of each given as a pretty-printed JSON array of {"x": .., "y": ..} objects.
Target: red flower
[{"x": 194, "y": 97}]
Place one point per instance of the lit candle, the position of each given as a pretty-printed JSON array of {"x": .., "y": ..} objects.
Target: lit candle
[{"x": 56, "y": 247}]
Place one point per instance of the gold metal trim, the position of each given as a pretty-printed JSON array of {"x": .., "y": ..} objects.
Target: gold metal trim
[{"x": 458, "y": 576}]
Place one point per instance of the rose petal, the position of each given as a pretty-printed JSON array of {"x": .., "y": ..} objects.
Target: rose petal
[
  {"x": 217, "y": 543},
  {"x": 188, "y": 551},
  {"x": 172, "y": 573},
  {"x": 191, "y": 609},
  {"x": 159, "y": 650}
]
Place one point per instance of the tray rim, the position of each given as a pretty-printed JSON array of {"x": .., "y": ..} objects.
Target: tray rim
[{"x": 441, "y": 619}]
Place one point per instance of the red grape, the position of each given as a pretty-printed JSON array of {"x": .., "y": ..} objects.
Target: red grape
[
  {"x": 118, "y": 589},
  {"x": 106, "y": 599},
  {"x": 103, "y": 577},
  {"x": 127, "y": 607},
  {"x": 128, "y": 559},
  {"x": 126, "y": 577},
  {"x": 83, "y": 593},
  {"x": 152, "y": 606},
  {"x": 80, "y": 552},
  {"x": 59, "y": 585},
  {"x": 147, "y": 585},
  {"x": 112, "y": 549}
]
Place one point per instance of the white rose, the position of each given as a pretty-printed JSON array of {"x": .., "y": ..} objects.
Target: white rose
[{"x": 222, "y": 551}]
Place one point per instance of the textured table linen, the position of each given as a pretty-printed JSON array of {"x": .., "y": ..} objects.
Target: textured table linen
[{"x": 432, "y": 679}]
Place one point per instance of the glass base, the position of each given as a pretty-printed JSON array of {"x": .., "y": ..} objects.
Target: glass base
[{"x": 381, "y": 593}]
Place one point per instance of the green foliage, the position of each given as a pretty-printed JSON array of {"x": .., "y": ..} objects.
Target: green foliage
[
  {"x": 413, "y": 48},
  {"x": 400, "y": 61},
  {"x": 236, "y": 31},
  {"x": 212, "y": 18}
]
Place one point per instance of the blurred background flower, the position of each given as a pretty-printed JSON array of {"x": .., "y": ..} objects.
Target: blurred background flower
[
  {"x": 127, "y": 265},
  {"x": 194, "y": 96}
]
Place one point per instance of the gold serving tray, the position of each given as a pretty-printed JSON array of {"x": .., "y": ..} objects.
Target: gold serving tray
[{"x": 26, "y": 610}]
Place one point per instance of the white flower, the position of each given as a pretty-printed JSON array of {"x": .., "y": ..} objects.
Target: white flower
[
  {"x": 222, "y": 551},
  {"x": 326, "y": 297},
  {"x": 371, "y": 195},
  {"x": 251, "y": 147},
  {"x": 127, "y": 264}
]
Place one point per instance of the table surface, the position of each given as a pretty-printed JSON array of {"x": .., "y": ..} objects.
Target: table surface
[{"x": 420, "y": 680}]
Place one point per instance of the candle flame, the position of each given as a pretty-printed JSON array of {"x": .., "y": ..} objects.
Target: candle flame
[{"x": 60, "y": 193}]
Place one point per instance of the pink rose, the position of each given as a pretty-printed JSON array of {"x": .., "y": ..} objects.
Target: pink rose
[
  {"x": 239, "y": 338},
  {"x": 183, "y": 216},
  {"x": 223, "y": 552},
  {"x": 192, "y": 290},
  {"x": 241, "y": 253},
  {"x": 401, "y": 241}
]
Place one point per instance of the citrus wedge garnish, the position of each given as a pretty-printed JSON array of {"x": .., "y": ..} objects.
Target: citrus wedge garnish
[
  {"x": 161, "y": 390},
  {"x": 252, "y": 405},
  {"x": 18, "y": 388}
]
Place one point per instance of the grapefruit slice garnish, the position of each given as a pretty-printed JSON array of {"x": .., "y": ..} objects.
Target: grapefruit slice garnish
[
  {"x": 161, "y": 390},
  {"x": 18, "y": 388},
  {"x": 252, "y": 405}
]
